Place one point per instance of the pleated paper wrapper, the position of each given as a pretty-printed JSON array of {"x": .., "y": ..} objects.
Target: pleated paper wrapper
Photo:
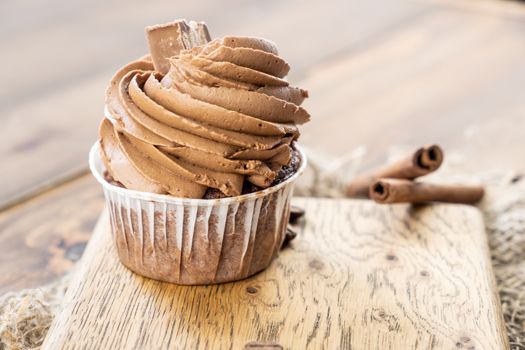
[{"x": 196, "y": 241}]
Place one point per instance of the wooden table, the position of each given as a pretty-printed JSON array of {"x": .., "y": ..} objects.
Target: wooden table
[{"x": 379, "y": 72}]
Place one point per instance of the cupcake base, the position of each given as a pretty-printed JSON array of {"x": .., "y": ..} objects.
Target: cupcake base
[{"x": 197, "y": 241}]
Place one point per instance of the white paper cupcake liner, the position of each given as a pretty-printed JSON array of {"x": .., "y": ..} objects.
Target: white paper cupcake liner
[{"x": 196, "y": 241}]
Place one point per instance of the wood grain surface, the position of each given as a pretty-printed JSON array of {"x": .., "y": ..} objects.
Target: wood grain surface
[
  {"x": 42, "y": 239},
  {"x": 359, "y": 276}
]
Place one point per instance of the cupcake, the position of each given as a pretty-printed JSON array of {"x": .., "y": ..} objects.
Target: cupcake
[{"x": 197, "y": 155}]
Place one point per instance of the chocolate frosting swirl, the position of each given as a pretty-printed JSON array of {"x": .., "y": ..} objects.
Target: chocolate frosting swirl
[{"x": 223, "y": 114}]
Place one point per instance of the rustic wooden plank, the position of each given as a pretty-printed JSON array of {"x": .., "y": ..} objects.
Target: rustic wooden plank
[
  {"x": 434, "y": 79},
  {"x": 61, "y": 91},
  {"x": 513, "y": 10},
  {"x": 43, "y": 238},
  {"x": 359, "y": 275}
]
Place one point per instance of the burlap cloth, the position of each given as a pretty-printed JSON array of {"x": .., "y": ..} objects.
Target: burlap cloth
[{"x": 26, "y": 316}]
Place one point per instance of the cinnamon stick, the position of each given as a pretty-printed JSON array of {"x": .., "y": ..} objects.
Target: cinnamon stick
[
  {"x": 406, "y": 191},
  {"x": 421, "y": 162}
]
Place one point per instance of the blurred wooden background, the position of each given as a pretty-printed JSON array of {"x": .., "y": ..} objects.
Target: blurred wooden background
[{"x": 380, "y": 73}]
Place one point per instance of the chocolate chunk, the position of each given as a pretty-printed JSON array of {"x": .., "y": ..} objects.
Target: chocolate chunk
[
  {"x": 288, "y": 170},
  {"x": 167, "y": 40},
  {"x": 248, "y": 187},
  {"x": 213, "y": 193},
  {"x": 295, "y": 214},
  {"x": 288, "y": 237}
]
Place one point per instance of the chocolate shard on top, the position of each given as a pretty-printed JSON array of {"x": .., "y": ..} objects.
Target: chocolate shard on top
[{"x": 167, "y": 40}]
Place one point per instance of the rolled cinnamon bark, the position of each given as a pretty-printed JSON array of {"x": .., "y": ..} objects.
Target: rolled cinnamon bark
[
  {"x": 406, "y": 191},
  {"x": 421, "y": 162}
]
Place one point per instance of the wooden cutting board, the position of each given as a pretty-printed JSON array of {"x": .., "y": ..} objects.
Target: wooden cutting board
[{"x": 358, "y": 276}]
